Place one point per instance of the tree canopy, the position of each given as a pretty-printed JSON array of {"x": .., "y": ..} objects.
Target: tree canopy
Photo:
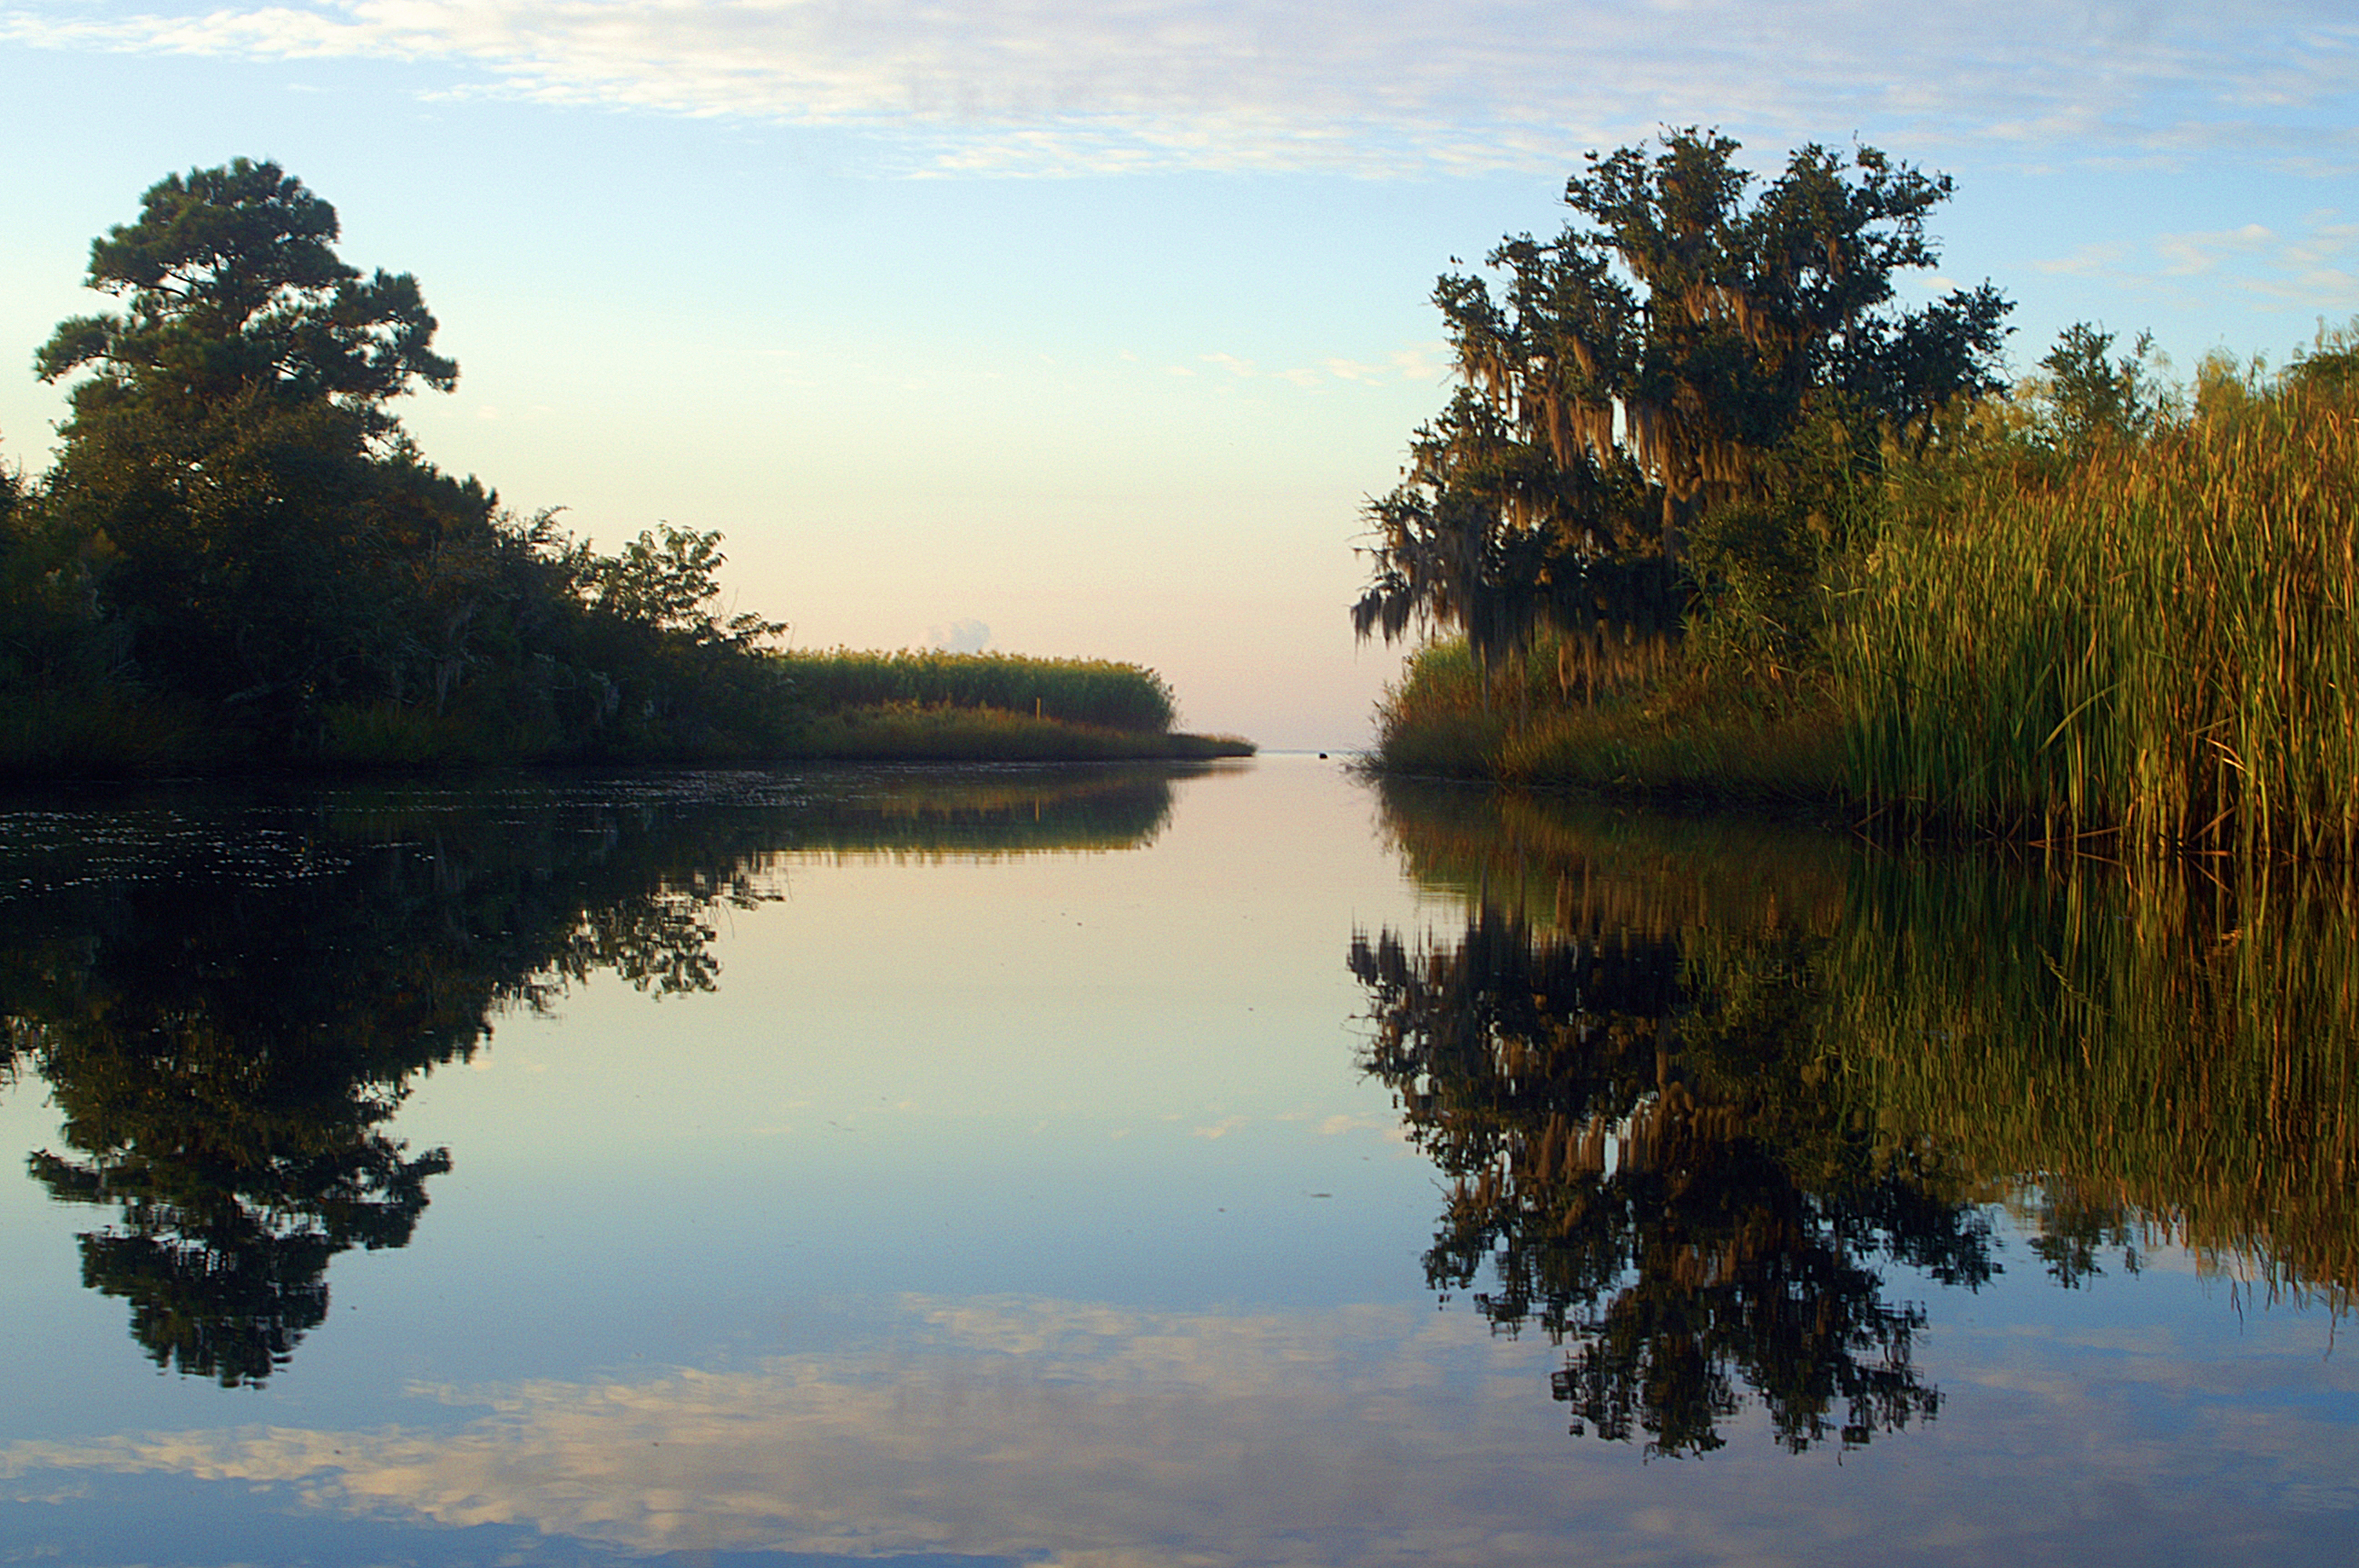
[
  {"x": 235, "y": 294},
  {"x": 238, "y": 531},
  {"x": 1668, "y": 356}
]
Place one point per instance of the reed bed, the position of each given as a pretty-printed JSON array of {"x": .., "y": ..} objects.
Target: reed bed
[
  {"x": 1099, "y": 692},
  {"x": 2155, "y": 646}
]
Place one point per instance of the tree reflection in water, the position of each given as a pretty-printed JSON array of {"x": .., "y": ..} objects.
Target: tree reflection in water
[
  {"x": 1697, "y": 1086},
  {"x": 1641, "y": 1167},
  {"x": 230, "y": 1002}
]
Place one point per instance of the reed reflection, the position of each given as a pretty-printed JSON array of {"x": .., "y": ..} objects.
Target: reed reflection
[
  {"x": 229, "y": 1002},
  {"x": 1696, "y": 1089}
]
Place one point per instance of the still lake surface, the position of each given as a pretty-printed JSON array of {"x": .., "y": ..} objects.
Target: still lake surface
[{"x": 1242, "y": 1166}]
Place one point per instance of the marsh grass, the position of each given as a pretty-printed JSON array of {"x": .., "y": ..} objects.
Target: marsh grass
[
  {"x": 1097, "y": 692},
  {"x": 389, "y": 735},
  {"x": 106, "y": 732},
  {"x": 1690, "y": 738},
  {"x": 914, "y": 732},
  {"x": 2154, "y": 647}
]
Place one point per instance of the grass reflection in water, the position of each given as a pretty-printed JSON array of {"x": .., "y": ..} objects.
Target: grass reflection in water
[
  {"x": 1696, "y": 1087},
  {"x": 230, "y": 999}
]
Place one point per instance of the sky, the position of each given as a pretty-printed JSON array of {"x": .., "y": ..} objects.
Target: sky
[{"x": 1084, "y": 327}]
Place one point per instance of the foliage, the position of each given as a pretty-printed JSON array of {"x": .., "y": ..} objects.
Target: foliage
[
  {"x": 1679, "y": 360},
  {"x": 238, "y": 537},
  {"x": 668, "y": 578},
  {"x": 2105, "y": 608},
  {"x": 2087, "y": 399}
]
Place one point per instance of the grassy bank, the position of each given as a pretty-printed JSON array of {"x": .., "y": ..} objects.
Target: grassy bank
[
  {"x": 840, "y": 706},
  {"x": 2145, "y": 644},
  {"x": 1099, "y": 693},
  {"x": 909, "y": 705},
  {"x": 1676, "y": 740}
]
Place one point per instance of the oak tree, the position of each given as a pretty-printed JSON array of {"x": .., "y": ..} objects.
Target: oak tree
[{"x": 1668, "y": 355}]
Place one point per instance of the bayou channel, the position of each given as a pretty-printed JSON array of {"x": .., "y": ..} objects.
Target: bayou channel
[{"x": 1234, "y": 1164}]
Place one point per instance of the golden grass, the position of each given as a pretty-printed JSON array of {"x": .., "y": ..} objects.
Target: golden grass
[
  {"x": 1680, "y": 740},
  {"x": 2158, "y": 649}
]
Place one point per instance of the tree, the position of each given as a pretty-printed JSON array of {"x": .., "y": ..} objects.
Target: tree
[
  {"x": 238, "y": 528},
  {"x": 1664, "y": 359},
  {"x": 668, "y": 579},
  {"x": 231, "y": 440},
  {"x": 236, "y": 297},
  {"x": 2091, "y": 399}
]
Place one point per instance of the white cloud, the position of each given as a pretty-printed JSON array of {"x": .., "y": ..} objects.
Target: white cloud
[
  {"x": 1377, "y": 87},
  {"x": 1087, "y": 1435},
  {"x": 2312, "y": 266},
  {"x": 2086, "y": 261}
]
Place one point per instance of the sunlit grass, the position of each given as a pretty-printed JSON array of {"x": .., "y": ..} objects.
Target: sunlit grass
[
  {"x": 2159, "y": 647},
  {"x": 1675, "y": 739}
]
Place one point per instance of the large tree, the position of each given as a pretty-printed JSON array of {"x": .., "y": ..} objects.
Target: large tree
[
  {"x": 1666, "y": 357},
  {"x": 274, "y": 538}
]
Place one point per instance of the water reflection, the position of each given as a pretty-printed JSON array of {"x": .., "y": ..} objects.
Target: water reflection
[
  {"x": 1696, "y": 1089},
  {"x": 229, "y": 1000}
]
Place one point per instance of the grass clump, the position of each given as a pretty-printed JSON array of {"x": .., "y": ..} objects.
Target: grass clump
[
  {"x": 1689, "y": 737},
  {"x": 101, "y": 732}
]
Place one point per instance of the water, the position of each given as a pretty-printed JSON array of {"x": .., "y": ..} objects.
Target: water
[{"x": 1238, "y": 1166}]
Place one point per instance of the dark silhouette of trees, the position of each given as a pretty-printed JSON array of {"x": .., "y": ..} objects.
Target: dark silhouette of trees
[
  {"x": 238, "y": 534},
  {"x": 1644, "y": 1168},
  {"x": 1682, "y": 364}
]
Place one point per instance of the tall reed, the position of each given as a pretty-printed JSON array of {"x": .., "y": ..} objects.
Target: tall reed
[
  {"x": 1079, "y": 691},
  {"x": 2155, "y": 645}
]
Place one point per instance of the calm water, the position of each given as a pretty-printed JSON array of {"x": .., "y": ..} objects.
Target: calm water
[{"x": 1244, "y": 1166}]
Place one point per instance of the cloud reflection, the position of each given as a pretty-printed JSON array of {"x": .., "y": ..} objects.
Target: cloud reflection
[{"x": 1093, "y": 1436}]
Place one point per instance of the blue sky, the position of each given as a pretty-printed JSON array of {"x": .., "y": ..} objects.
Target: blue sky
[{"x": 1093, "y": 323}]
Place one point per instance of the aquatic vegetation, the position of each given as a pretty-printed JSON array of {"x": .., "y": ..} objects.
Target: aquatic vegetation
[{"x": 2156, "y": 646}]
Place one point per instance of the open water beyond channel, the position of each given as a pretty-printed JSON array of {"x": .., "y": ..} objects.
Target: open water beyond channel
[{"x": 1239, "y": 1166}]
